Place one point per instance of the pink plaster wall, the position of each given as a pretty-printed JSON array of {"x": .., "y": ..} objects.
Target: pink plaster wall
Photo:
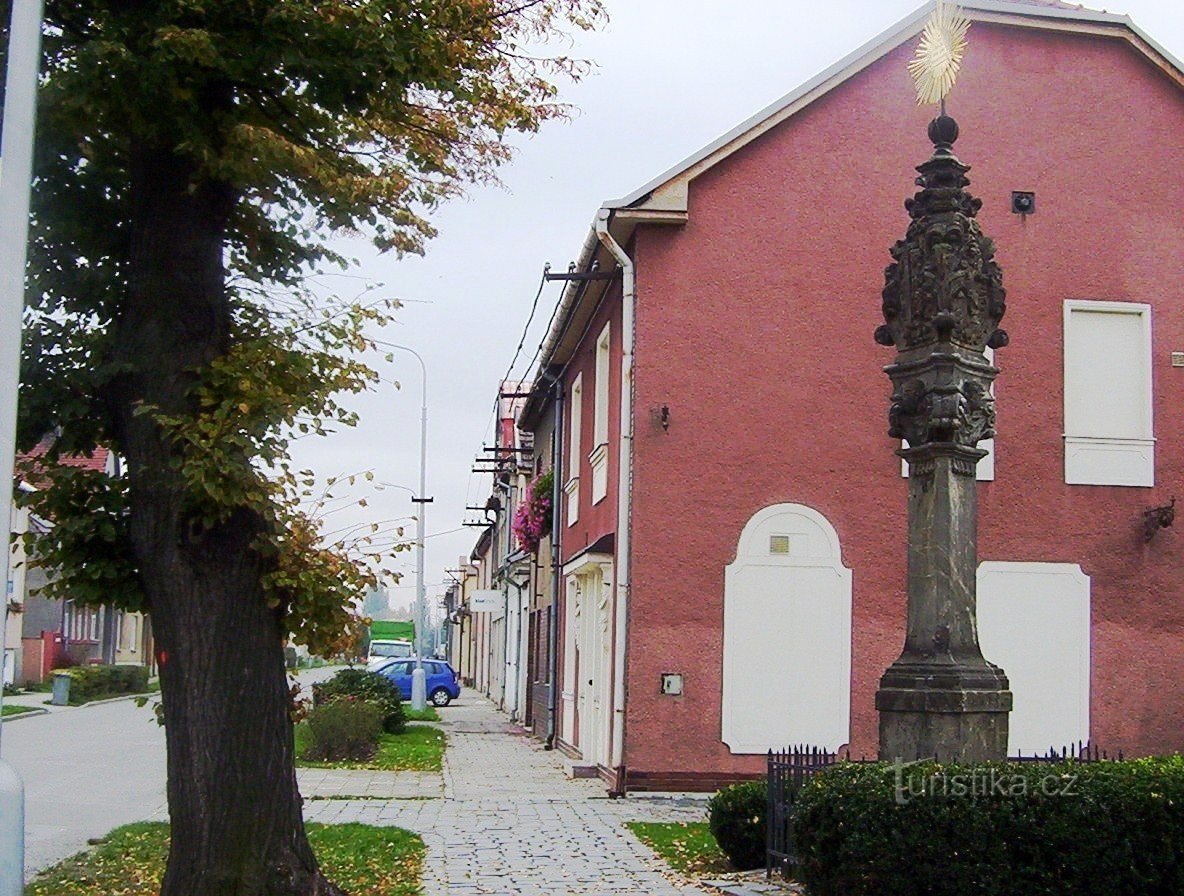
[
  {"x": 755, "y": 321},
  {"x": 594, "y": 520}
]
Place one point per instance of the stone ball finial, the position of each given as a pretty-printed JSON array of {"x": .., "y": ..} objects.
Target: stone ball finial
[{"x": 943, "y": 131}]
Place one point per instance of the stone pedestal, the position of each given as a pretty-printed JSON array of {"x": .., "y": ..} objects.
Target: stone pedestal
[{"x": 941, "y": 698}]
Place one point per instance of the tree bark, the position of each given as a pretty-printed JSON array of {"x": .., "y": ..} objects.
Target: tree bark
[{"x": 235, "y": 810}]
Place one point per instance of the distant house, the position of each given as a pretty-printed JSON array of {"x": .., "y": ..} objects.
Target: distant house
[
  {"x": 501, "y": 603},
  {"x": 733, "y": 514},
  {"x": 44, "y": 633}
]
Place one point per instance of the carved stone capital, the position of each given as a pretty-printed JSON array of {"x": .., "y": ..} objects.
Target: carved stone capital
[
  {"x": 942, "y": 397},
  {"x": 943, "y": 284}
]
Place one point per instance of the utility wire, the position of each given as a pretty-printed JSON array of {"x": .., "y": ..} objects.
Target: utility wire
[{"x": 529, "y": 320}]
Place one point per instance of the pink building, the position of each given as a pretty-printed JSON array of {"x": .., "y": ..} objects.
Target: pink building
[{"x": 733, "y": 532}]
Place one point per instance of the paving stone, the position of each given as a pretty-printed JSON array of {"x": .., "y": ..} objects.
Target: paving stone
[{"x": 503, "y": 819}]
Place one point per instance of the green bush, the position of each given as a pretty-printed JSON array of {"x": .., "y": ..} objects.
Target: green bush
[
  {"x": 89, "y": 683},
  {"x": 368, "y": 686},
  {"x": 993, "y": 829},
  {"x": 344, "y": 729},
  {"x": 736, "y": 816}
]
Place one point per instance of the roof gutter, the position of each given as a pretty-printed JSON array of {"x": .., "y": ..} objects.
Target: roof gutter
[{"x": 624, "y": 481}]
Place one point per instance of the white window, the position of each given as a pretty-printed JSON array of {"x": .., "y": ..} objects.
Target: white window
[
  {"x": 599, "y": 456},
  {"x": 1109, "y": 431},
  {"x": 984, "y": 471},
  {"x": 575, "y": 415},
  {"x": 1034, "y": 622}
]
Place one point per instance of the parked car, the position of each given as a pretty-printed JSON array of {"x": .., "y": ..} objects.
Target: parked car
[{"x": 443, "y": 684}]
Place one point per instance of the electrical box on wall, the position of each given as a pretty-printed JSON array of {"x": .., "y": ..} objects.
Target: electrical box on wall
[{"x": 672, "y": 684}]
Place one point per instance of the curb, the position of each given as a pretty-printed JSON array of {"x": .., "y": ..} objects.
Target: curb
[{"x": 49, "y": 709}]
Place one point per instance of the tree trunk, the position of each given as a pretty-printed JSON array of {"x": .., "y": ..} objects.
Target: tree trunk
[{"x": 235, "y": 810}]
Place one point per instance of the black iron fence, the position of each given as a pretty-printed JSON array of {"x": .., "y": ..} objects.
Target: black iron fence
[
  {"x": 788, "y": 772},
  {"x": 1081, "y": 751},
  {"x": 790, "y": 769}
]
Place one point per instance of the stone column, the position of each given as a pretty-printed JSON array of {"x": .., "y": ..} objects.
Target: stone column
[{"x": 943, "y": 300}]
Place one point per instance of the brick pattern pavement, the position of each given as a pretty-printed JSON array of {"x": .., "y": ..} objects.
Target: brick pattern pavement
[{"x": 510, "y": 823}]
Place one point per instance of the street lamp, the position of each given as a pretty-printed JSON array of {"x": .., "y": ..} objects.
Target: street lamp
[
  {"x": 419, "y": 693},
  {"x": 16, "y": 148}
]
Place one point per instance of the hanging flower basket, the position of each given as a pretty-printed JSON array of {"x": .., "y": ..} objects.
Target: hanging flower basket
[{"x": 532, "y": 519}]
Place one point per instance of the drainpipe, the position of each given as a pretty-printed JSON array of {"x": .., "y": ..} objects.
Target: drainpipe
[
  {"x": 556, "y": 566},
  {"x": 624, "y": 480}
]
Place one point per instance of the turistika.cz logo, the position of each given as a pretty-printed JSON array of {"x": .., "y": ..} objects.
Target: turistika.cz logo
[{"x": 912, "y": 781}]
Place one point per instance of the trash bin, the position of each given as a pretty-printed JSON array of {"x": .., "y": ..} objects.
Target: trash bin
[{"x": 61, "y": 689}]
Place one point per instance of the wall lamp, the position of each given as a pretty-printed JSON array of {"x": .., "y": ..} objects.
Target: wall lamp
[{"x": 1158, "y": 518}]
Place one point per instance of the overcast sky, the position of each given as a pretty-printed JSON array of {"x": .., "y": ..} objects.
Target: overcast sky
[{"x": 671, "y": 76}]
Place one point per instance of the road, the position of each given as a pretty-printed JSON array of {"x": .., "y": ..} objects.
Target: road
[
  {"x": 89, "y": 769},
  {"x": 86, "y": 771}
]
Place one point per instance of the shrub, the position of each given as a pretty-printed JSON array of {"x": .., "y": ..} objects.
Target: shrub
[
  {"x": 89, "y": 683},
  {"x": 736, "y": 816},
  {"x": 344, "y": 729},
  {"x": 993, "y": 829},
  {"x": 367, "y": 686}
]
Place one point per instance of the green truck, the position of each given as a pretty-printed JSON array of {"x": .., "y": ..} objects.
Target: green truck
[{"x": 390, "y": 639}]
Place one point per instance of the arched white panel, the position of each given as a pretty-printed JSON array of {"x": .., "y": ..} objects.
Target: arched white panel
[
  {"x": 1034, "y": 621},
  {"x": 787, "y": 634}
]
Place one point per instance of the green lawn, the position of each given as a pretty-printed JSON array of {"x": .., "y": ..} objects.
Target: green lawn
[
  {"x": 420, "y": 748},
  {"x": 687, "y": 847},
  {"x": 130, "y": 861},
  {"x": 12, "y": 710}
]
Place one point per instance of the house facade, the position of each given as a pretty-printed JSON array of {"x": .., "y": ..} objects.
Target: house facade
[
  {"x": 44, "y": 633},
  {"x": 733, "y": 518}
]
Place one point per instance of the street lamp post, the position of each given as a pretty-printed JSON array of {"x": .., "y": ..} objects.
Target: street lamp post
[
  {"x": 418, "y": 677},
  {"x": 16, "y": 149}
]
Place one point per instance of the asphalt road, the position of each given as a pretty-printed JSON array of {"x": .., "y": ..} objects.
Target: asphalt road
[
  {"x": 89, "y": 769},
  {"x": 85, "y": 771}
]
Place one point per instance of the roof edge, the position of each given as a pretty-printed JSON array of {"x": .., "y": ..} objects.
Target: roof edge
[{"x": 668, "y": 191}]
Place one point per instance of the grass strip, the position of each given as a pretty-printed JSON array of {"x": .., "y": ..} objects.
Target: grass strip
[
  {"x": 427, "y": 714},
  {"x": 687, "y": 847},
  {"x": 11, "y": 709},
  {"x": 130, "y": 861}
]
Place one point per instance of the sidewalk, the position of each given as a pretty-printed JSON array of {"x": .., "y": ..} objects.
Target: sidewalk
[{"x": 508, "y": 822}]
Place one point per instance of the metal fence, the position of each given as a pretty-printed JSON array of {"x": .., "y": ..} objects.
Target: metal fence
[
  {"x": 1081, "y": 752},
  {"x": 789, "y": 770}
]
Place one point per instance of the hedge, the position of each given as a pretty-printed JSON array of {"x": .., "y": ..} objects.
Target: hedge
[
  {"x": 370, "y": 687},
  {"x": 993, "y": 829},
  {"x": 736, "y": 818},
  {"x": 343, "y": 730},
  {"x": 89, "y": 683}
]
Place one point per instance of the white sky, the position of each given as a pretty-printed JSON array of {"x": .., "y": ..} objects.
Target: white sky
[{"x": 672, "y": 75}]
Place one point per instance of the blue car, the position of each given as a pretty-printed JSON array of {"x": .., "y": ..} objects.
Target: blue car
[{"x": 443, "y": 684}]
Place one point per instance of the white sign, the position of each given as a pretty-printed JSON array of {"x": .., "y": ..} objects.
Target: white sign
[{"x": 486, "y": 601}]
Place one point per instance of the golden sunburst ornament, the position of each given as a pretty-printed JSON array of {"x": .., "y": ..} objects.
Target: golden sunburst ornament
[{"x": 939, "y": 55}]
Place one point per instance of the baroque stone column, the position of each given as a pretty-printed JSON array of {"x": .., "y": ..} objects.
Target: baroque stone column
[{"x": 943, "y": 300}]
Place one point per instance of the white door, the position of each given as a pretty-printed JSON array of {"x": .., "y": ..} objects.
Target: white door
[{"x": 593, "y": 658}]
